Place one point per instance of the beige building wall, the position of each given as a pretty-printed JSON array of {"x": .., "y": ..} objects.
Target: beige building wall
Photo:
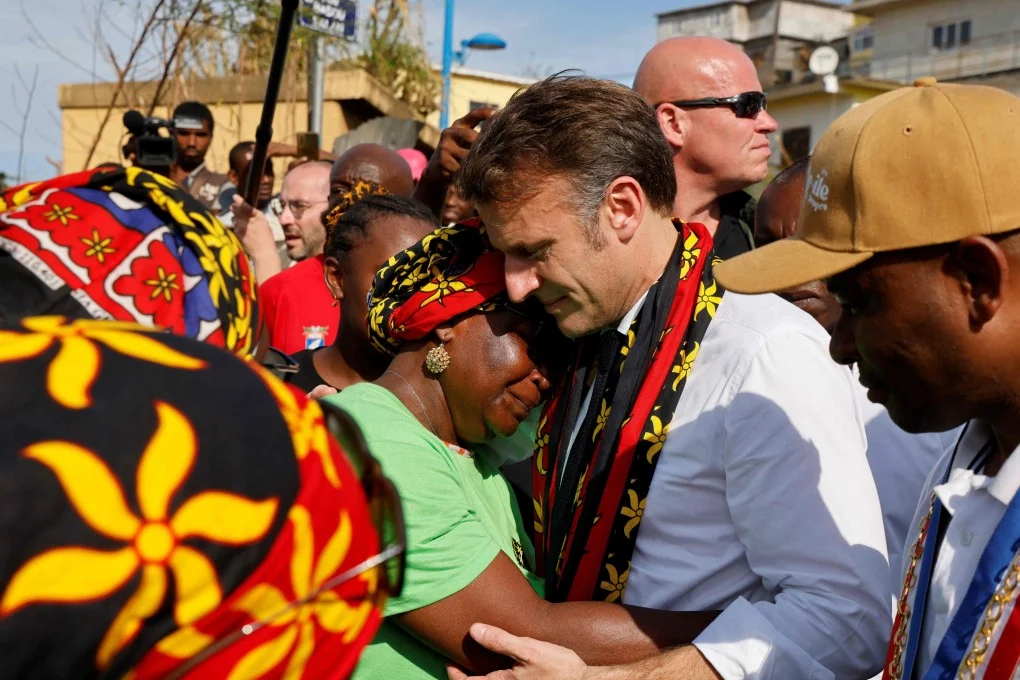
[
  {"x": 905, "y": 27},
  {"x": 234, "y": 122},
  {"x": 467, "y": 86},
  {"x": 807, "y": 106},
  {"x": 351, "y": 98}
]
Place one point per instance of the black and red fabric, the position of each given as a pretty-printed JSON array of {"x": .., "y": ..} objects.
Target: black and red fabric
[
  {"x": 450, "y": 272},
  {"x": 588, "y": 512},
  {"x": 159, "y": 495}
]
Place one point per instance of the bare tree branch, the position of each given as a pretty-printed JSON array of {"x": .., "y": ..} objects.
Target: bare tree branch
[
  {"x": 121, "y": 78},
  {"x": 24, "y": 118},
  {"x": 182, "y": 33}
]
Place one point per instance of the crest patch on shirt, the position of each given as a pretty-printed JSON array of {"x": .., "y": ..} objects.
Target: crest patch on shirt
[{"x": 315, "y": 336}]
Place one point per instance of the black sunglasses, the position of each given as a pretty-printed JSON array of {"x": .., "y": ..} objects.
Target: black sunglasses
[
  {"x": 744, "y": 105},
  {"x": 386, "y": 515}
]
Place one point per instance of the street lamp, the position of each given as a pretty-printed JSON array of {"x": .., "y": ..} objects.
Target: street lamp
[{"x": 482, "y": 41}]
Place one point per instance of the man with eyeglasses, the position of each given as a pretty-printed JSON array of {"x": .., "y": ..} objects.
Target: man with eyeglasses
[
  {"x": 297, "y": 307},
  {"x": 711, "y": 108}
]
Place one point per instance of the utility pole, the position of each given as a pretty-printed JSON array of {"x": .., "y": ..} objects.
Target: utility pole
[{"x": 316, "y": 84}]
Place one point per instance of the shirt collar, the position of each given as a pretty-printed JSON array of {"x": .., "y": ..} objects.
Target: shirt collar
[
  {"x": 629, "y": 317},
  {"x": 194, "y": 173},
  {"x": 1003, "y": 486}
]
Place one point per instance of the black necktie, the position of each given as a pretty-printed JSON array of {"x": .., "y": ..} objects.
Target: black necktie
[{"x": 609, "y": 350}]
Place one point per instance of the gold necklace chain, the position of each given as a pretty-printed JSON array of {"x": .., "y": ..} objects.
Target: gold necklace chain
[
  {"x": 894, "y": 670},
  {"x": 1004, "y": 594}
]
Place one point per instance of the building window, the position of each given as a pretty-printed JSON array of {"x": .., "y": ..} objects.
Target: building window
[
  {"x": 965, "y": 32},
  {"x": 864, "y": 40},
  {"x": 950, "y": 36}
]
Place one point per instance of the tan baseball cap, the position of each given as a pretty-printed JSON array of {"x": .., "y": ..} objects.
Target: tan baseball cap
[{"x": 918, "y": 166}]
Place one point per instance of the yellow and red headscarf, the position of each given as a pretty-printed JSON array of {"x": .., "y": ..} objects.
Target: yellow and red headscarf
[
  {"x": 129, "y": 245},
  {"x": 160, "y": 495},
  {"x": 450, "y": 272}
]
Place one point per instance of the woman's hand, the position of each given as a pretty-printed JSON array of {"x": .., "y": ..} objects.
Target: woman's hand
[{"x": 321, "y": 391}]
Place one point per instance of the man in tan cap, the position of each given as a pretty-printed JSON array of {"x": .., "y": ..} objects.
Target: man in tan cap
[
  {"x": 911, "y": 215},
  {"x": 900, "y": 461},
  {"x": 710, "y": 107}
]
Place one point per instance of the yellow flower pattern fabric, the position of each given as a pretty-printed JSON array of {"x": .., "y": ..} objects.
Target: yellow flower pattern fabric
[{"x": 161, "y": 494}]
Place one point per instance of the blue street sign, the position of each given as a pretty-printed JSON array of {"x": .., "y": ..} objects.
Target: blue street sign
[{"x": 332, "y": 17}]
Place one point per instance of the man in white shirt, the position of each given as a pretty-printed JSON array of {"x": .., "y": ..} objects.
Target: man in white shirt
[
  {"x": 761, "y": 504},
  {"x": 900, "y": 461},
  {"x": 911, "y": 216}
]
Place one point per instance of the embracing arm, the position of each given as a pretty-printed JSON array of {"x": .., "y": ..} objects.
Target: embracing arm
[
  {"x": 538, "y": 660},
  {"x": 501, "y": 596}
]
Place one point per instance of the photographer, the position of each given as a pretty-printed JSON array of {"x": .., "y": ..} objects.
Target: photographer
[{"x": 193, "y": 128}]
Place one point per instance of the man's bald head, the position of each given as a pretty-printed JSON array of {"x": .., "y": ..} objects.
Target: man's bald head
[
  {"x": 779, "y": 206},
  {"x": 715, "y": 151},
  {"x": 691, "y": 68},
  {"x": 371, "y": 163}
]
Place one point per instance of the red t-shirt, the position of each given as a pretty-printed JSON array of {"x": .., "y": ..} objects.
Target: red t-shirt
[{"x": 298, "y": 309}]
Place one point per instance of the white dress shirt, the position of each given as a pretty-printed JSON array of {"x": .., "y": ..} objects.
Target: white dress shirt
[
  {"x": 763, "y": 505},
  {"x": 900, "y": 462},
  {"x": 975, "y": 503}
]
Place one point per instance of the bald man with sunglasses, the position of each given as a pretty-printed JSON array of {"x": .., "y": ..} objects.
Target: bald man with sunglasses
[{"x": 711, "y": 108}]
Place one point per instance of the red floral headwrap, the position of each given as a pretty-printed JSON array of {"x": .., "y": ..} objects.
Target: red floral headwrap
[
  {"x": 129, "y": 245},
  {"x": 161, "y": 495},
  {"x": 451, "y": 271}
]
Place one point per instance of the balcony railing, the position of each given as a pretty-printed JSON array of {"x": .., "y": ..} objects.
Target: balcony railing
[{"x": 992, "y": 54}]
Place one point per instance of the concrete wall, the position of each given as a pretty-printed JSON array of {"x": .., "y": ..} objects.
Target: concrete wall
[
  {"x": 728, "y": 22},
  {"x": 812, "y": 22},
  {"x": 816, "y": 111},
  {"x": 906, "y": 27},
  {"x": 233, "y": 123},
  {"x": 761, "y": 18},
  {"x": 351, "y": 98},
  {"x": 466, "y": 88}
]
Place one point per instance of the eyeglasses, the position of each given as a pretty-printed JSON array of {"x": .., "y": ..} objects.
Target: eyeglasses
[
  {"x": 387, "y": 518},
  {"x": 297, "y": 208},
  {"x": 744, "y": 105},
  {"x": 281, "y": 365}
]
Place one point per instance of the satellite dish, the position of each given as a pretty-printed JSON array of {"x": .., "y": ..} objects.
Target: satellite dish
[{"x": 823, "y": 61}]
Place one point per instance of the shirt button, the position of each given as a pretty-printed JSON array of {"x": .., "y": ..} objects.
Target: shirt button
[{"x": 967, "y": 537}]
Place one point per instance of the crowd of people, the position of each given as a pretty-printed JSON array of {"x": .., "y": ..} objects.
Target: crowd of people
[{"x": 561, "y": 401}]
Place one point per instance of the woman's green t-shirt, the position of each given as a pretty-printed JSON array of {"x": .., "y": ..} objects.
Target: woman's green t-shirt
[{"x": 459, "y": 512}]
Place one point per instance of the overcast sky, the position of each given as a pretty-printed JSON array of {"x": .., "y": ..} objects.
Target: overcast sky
[{"x": 602, "y": 37}]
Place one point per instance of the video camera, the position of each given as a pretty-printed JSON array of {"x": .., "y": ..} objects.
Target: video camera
[{"x": 153, "y": 151}]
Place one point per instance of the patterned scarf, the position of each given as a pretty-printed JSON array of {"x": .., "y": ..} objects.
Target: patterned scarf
[
  {"x": 450, "y": 272},
  {"x": 129, "y": 245},
  {"x": 161, "y": 494},
  {"x": 585, "y": 536}
]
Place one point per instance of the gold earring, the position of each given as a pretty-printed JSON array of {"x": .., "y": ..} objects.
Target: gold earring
[
  {"x": 336, "y": 301},
  {"x": 437, "y": 359}
]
